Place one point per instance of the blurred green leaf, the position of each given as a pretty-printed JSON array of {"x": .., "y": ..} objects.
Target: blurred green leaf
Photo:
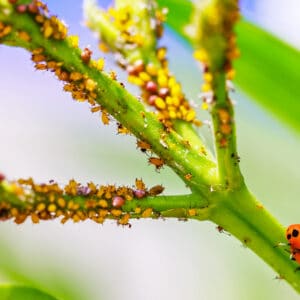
[
  {"x": 13, "y": 292},
  {"x": 268, "y": 69}
]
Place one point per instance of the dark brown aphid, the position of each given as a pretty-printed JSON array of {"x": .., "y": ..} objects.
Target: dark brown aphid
[{"x": 156, "y": 190}]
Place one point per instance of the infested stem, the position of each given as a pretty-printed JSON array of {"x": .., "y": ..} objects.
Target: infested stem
[{"x": 112, "y": 97}]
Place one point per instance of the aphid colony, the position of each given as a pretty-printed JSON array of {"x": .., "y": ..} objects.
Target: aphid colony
[
  {"x": 293, "y": 237},
  {"x": 159, "y": 87},
  {"x": 78, "y": 84},
  {"x": 75, "y": 201},
  {"x": 214, "y": 61}
]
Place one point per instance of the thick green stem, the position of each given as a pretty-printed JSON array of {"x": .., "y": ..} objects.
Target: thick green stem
[{"x": 240, "y": 214}]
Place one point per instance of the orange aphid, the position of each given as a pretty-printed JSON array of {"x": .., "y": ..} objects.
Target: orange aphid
[
  {"x": 157, "y": 162},
  {"x": 144, "y": 146}
]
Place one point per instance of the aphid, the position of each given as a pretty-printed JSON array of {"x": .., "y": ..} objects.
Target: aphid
[
  {"x": 105, "y": 117},
  {"x": 156, "y": 190},
  {"x": 122, "y": 129},
  {"x": 118, "y": 201},
  {"x": 188, "y": 176},
  {"x": 222, "y": 230},
  {"x": 157, "y": 162},
  {"x": 143, "y": 146},
  {"x": 86, "y": 55},
  {"x": 139, "y": 193},
  {"x": 140, "y": 185}
]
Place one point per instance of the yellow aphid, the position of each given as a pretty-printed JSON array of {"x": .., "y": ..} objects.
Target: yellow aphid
[
  {"x": 105, "y": 117},
  {"x": 116, "y": 212},
  {"x": 38, "y": 50},
  {"x": 230, "y": 74},
  {"x": 206, "y": 87},
  {"x": 76, "y": 218},
  {"x": 40, "y": 207},
  {"x": 23, "y": 35},
  {"x": 201, "y": 55},
  {"x": 140, "y": 185},
  {"x": 103, "y": 203},
  {"x": 151, "y": 69},
  {"x": 48, "y": 31},
  {"x": 137, "y": 210},
  {"x": 144, "y": 76},
  {"x": 103, "y": 213},
  {"x": 61, "y": 202},
  {"x": 14, "y": 212},
  {"x": 95, "y": 109},
  {"x": 74, "y": 76},
  {"x": 172, "y": 114},
  {"x": 124, "y": 219},
  {"x": 73, "y": 40},
  {"x": 34, "y": 218},
  {"x": 207, "y": 77},
  {"x": 192, "y": 212},
  {"x": 190, "y": 116},
  {"x": 160, "y": 103},
  {"x": 39, "y": 18},
  {"x": 176, "y": 90},
  {"x": 51, "y": 207},
  {"x": 204, "y": 106},
  {"x": 100, "y": 64},
  {"x": 7, "y": 30},
  {"x": 162, "y": 80},
  {"x": 122, "y": 129},
  {"x": 147, "y": 213},
  {"x": 90, "y": 84},
  {"x": 161, "y": 53}
]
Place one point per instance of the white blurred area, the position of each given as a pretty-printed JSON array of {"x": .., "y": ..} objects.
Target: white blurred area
[
  {"x": 46, "y": 135},
  {"x": 281, "y": 17}
]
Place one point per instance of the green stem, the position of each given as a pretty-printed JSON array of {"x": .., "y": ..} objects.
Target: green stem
[
  {"x": 225, "y": 139},
  {"x": 119, "y": 103},
  {"x": 243, "y": 216}
]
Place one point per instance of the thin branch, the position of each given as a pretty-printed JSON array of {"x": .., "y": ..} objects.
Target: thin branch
[
  {"x": 24, "y": 198},
  {"x": 215, "y": 40}
]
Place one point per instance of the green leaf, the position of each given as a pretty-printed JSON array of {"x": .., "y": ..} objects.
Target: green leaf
[
  {"x": 268, "y": 69},
  {"x": 13, "y": 292}
]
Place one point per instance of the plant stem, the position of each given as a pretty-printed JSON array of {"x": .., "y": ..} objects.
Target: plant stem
[{"x": 243, "y": 216}]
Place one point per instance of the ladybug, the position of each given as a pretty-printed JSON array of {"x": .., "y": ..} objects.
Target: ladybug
[{"x": 293, "y": 237}]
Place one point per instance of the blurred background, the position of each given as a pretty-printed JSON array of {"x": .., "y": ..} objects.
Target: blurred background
[{"x": 46, "y": 135}]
